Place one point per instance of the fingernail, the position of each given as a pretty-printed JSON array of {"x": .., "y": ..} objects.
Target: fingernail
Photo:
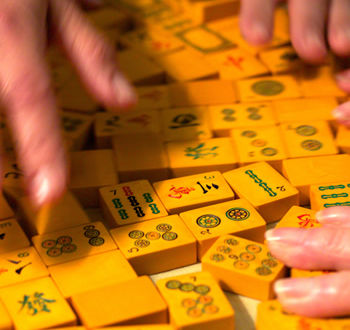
[
  {"x": 260, "y": 34},
  {"x": 342, "y": 112},
  {"x": 124, "y": 91},
  {"x": 335, "y": 216},
  {"x": 289, "y": 237},
  {"x": 288, "y": 290}
]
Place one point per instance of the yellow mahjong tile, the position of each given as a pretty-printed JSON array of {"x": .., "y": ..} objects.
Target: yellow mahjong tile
[
  {"x": 181, "y": 194},
  {"x": 339, "y": 324},
  {"x": 308, "y": 138},
  {"x": 318, "y": 81},
  {"x": 186, "y": 65},
  {"x": 142, "y": 327},
  {"x": 195, "y": 157},
  {"x": 130, "y": 202},
  {"x": 237, "y": 64},
  {"x": 299, "y": 217},
  {"x": 185, "y": 124},
  {"x": 64, "y": 213},
  {"x": 136, "y": 301},
  {"x": 73, "y": 243},
  {"x": 151, "y": 41},
  {"x": 304, "y": 172},
  {"x": 281, "y": 60},
  {"x": 243, "y": 267},
  {"x": 5, "y": 210},
  {"x": 225, "y": 117},
  {"x": 140, "y": 156},
  {"x": 330, "y": 194},
  {"x": 196, "y": 302},
  {"x": 91, "y": 272},
  {"x": 20, "y": 266},
  {"x": 266, "y": 189},
  {"x": 343, "y": 138},
  {"x": 268, "y": 89},
  {"x": 76, "y": 127},
  {"x": 256, "y": 144},
  {"x": 5, "y": 320},
  {"x": 210, "y": 222},
  {"x": 156, "y": 246},
  {"x": 108, "y": 124},
  {"x": 153, "y": 97},
  {"x": 91, "y": 170},
  {"x": 139, "y": 69},
  {"x": 12, "y": 237},
  {"x": 307, "y": 273}
]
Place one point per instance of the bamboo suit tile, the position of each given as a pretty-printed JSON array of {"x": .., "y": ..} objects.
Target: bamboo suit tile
[
  {"x": 243, "y": 267},
  {"x": 156, "y": 246},
  {"x": 136, "y": 301},
  {"x": 12, "y": 236},
  {"x": 181, "y": 194},
  {"x": 130, "y": 202},
  {"x": 237, "y": 217},
  {"x": 267, "y": 190},
  {"x": 5, "y": 210},
  {"x": 5, "y": 320},
  {"x": 304, "y": 172},
  {"x": 37, "y": 304},
  {"x": 342, "y": 139},
  {"x": 91, "y": 273},
  {"x": 73, "y": 243},
  {"x": 225, "y": 117},
  {"x": 196, "y": 302},
  {"x": 195, "y": 157}
]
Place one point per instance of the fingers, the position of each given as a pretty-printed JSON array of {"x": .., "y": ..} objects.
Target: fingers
[
  {"x": 320, "y": 296},
  {"x": 29, "y": 101},
  {"x": 91, "y": 3},
  {"x": 317, "y": 248},
  {"x": 342, "y": 113},
  {"x": 94, "y": 59},
  {"x": 256, "y": 20},
  {"x": 337, "y": 216}
]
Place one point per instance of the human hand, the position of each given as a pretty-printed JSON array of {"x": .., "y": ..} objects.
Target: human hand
[
  {"x": 26, "y": 90},
  {"x": 324, "y": 248}
]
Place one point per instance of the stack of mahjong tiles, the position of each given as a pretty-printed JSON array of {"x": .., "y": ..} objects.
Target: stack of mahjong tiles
[{"x": 162, "y": 225}]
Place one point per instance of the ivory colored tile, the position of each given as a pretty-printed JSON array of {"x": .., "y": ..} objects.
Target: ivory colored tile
[
  {"x": 73, "y": 243},
  {"x": 342, "y": 139},
  {"x": 185, "y": 124},
  {"x": 181, "y": 194},
  {"x": 156, "y": 246},
  {"x": 186, "y": 65},
  {"x": 268, "y": 89},
  {"x": 91, "y": 273},
  {"x": 267, "y": 190},
  {"x": 237, "y": 64},
  {"x": 330, "y": 194},
  {"x": 12, "y": 237},
  {"x": 153, "y": 97},
  {"x": 196, "y": 302},
  {"x": 225, "y": 117},
  {"x": 141, "y": 156},
  {"x": 6, "y": 211},
  {"x": 65, "y": 213},
  {"x": 21, "y": 265},
  {"x": 108, "y": 124},
  {"x": 210, "y": 222},
  {"x": 130, "y": 202},
  {"x": 202, "y": 92},
  {"x": 257, "y": 144},
  {"x": 308, "y": 138},
  {"x": 281, "y": 60},
  {"x": 299, "y": 217},
  {"x": 304, "y": 172},
  {"x": 243, "y": 267},
  {"x": 91, "y": 170},
  {"x": 195, "y": 157},
  {"x": 37, "y": 304},
  {"x": 137, "y": 302},
  {"x": 5, "y": 320}
]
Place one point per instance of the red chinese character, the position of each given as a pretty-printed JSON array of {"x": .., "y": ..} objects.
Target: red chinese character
[
  {"x": 234, "y": 61},
  {"x": 178, "y": 192},
  {"x": 306, "y": 221},
  {"x": 143, "y": 120}
]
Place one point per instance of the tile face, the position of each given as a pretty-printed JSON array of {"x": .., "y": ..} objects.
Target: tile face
[
  {"x": 237, "y": 217},
  {"x": 267, "y": 190},
  {"x": 130, "y": 298},
  {"x": 21, "y": 265},
  {"x": 299, "y": 217},
  {"x": 156, "y": 246},
  {"x": 73, "y": 243},
  {"x": 243, "y": 267},
  {"x": 12, "y": 237},
  {"x": 195, "y": 157},
  {"x": 196, "y": 301},
  {"x": 37, "y": 304},
  {"x": 153, "y": 97},
  {"x": 180, "y": 194},
  {"x": 5, "y": 210},
  {"x": 130, "y": 202},
  {"x": 5, "y": 320},
  {"x": 79, "y": 276},
  {"x": 342, "y": 139}
]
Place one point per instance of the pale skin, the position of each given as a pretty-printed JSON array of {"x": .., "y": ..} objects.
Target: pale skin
[{"x": 313, "y": 23}]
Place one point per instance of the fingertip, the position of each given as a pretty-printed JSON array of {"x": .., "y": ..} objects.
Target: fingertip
[
  {"x": 339, "y": 41},
  {"x": 124, "y": 92},
  {"x": 257, "y": 34},
  {"x": 334, "y": 216},
  {"x": 311, "y": 48},
  {"x": 342, "y": 112}
]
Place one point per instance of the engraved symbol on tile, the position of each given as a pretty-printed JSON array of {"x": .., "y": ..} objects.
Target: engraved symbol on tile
[
  {"x": 312, "y": 145},
  {"x": 268, "y": 87},
  {"x": 208, "y": 221},
  {"x": 237, "y": 214},
  {"x": 35, "y": 304}
]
